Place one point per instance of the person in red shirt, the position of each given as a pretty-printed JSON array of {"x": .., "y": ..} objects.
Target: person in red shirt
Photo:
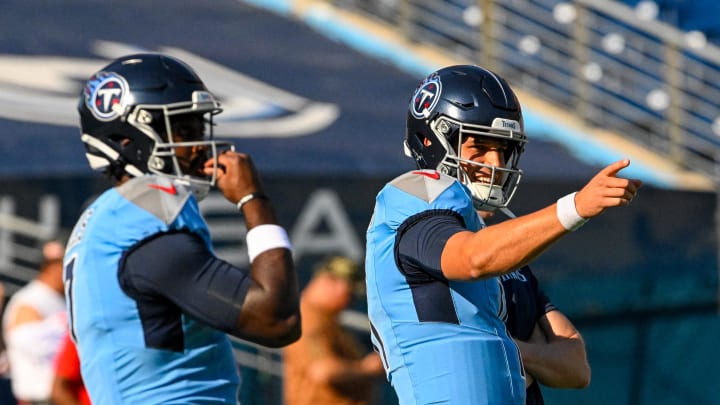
[{"x": 68, "y": 387}]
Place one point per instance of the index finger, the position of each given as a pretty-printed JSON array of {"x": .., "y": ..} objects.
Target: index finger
[{"x": 613, "y": 169}]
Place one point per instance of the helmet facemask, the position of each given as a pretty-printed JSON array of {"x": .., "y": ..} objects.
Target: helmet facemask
[
  {"x": 182, "y": 135},
  {"x": 497, "y": 189}
]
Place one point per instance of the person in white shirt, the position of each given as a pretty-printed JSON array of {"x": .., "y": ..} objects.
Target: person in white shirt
[{"x": 33, "y": 325}]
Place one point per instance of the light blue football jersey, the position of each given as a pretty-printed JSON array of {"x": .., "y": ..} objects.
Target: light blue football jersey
[
  {"x": 117, "y": 365},
  {"x": 442, "y": 342}
]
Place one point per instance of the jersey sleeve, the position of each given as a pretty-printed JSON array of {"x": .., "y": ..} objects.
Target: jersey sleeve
[
  {"x": 421, "y": 240},
  {"x": 181, "y": 268}
]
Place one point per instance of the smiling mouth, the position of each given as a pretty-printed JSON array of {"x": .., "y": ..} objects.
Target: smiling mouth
[
  {"x": 483, "y": 180},
  {"x": 488, "y": 181}
]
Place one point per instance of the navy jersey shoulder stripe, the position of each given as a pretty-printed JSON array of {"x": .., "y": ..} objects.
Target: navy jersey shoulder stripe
[{"x": 420, "y": 241}]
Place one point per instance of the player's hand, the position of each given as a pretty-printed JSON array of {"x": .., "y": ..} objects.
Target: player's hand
[
  {"x": 529, "y": 379},
  {"x": 236, "y": 175},
  {"x": 606, "y": 190}
]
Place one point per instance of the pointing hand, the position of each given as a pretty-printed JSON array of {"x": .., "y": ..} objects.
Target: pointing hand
[{"x": 606, "y": 190}]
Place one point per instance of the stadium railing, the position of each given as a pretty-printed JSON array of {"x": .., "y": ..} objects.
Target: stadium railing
[{"x": 615, "y": 67}]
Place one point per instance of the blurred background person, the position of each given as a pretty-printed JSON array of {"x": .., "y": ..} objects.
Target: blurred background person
[
  {"x": 68, "y": 387},
  {"x": 33, "y": 325},
  {"x": 53, "y": 249},
  {"x": 328, "y": 365}
]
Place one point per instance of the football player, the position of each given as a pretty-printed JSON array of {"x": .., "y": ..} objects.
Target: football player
[
  {"x": 149, "y": 302},
  {"x": 434, "y": 295}
]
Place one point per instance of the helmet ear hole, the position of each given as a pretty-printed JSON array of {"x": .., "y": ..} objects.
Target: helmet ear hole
[
  {"x": 415, "y": 144},
  {"x": 126, "y": 145}
]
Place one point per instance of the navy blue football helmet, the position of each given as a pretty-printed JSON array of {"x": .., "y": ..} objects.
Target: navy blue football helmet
[
  {"x": 460, "y": 101},
  {"x": 129, "y": 109}
]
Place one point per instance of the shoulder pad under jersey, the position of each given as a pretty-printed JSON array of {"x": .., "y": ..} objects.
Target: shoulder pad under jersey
[{"x": 160, "y": 196}]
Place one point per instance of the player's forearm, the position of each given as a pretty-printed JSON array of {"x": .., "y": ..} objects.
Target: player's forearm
[
  {"x": 271, "y": 266},
  {"x": 559, "y": 364},
  {"x": 271, "y": 314},
  {"x": 258, "y": 211},
  {"x": 501, "y": 248},
  {"x": 271, "y": 311}
]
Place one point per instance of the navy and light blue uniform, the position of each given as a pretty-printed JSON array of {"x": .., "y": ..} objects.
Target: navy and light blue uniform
[
  {"x": 441, "y": 341},
  {"x": 526, "y": 304},
  {"x": 149, "y": 305}
]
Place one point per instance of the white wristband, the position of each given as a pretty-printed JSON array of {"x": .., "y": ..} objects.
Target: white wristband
[
  {"x": 567, "y": 213},
  {"x": 265, "y": 237}
]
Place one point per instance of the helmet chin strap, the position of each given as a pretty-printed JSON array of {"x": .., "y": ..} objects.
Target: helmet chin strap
[
  {"x": 199, "y": 189},
  {"x": 486, "y": 197}
]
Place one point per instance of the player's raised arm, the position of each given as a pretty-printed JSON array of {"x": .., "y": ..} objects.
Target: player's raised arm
[
  {"x": 504, "y": 247},
  {"x": 270, "y": 312}
]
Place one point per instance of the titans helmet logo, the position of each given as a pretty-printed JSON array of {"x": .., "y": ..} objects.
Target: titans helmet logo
[
  {"x": 106, "y": 95},
  {"x": 426, "y": 97}
]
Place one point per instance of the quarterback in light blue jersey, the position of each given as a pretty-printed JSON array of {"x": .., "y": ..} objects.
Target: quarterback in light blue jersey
[
  {"x": 149, "y": 303},
  {"x": 435, "y": 300}
]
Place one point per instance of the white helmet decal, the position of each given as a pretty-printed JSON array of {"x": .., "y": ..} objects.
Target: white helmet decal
[
  {"x": 426, "y": 97},
  {"x": 106, "y": 95}
]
